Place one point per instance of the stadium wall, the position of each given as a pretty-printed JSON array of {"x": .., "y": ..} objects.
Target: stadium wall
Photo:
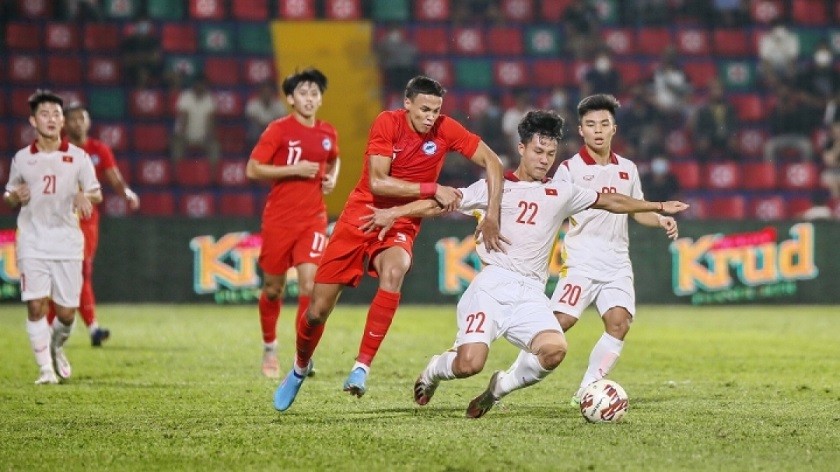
[{"x": 171, "y": 260}]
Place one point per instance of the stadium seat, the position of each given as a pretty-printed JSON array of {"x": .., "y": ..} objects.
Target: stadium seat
[
  {"x": 468, "y": 41},
  {"x": 231, "y": 173},
  {"x": 632, "y": 71},
  {"x": 678, "y": 143},
  {"x": 107, "y": 102},
  {"x": 221, "y": 71},
  {"x": 750, "y": 142},
  {"x": 254, "y": 39},
  {"x": 114, "y": 135},
  {"x": 237, "y": 204},
  {"x": 440, "y": 70},
  {"x": 653, "y": 40},
  {"x": 71, "y": 94},
  {"x": 809, "y": 12},
  {"x": 799, "y": 176},
  {"x": 22, "y": 36},
  {"x": 153, "y": 172},
  {"x": 101, "y": 37},
  {"x": 167, "y": 10},
  {"x": 700, "y": 72},
  {"x": 215, "y": 38},
  {"x": 296, "y": 9},
  {"x": 64, "y": 70},
  {"x": 504, "y": 40},
  {"x": 258, "y": 70},
  {"x": 553, "y": 10},
  {"x": 765, "y": 11},
  {"x": 693, "y": 42},
  {"x": 474, "y": 74},
  {"x": 250, "y": 10},
  {"x": 62, "y": 37},
  {"x": 113, "y": 205},
  {"x": 431, "y": 39},
  {"x": 431, "y": 10},
  {"x": 621, "y": 41},
  {"x": 152, "y": 138},
  {"x": 392, "y": 10},
  {"x": 723, "y": 175},
  {"x": 232, "y": 139},
  {"x": 102, "y": 71},
  {"x": 343, "y": 10},
  {"x": 198, "y": 205},
  {"x": 178, "y": 38},
  {"x": 732, "y": 43},
  {"x": 768, "y": 208},
  {"x": 193, "y": 173},
  {"x": 7, "y": 149},
  {"x": 120, "y": 9},
  {"x": 510, "y": 73},
  {"x": 737, "y": 75},
  {"x": 698, "y": 207},
  {"x": 23, "y": 135},
  {"x": 159, "y": 203},
  {"x": 228, "y": 103},
  {"x": 796, "y": 205},
  {"x": 35, "y": 9},
  {"x": 733, "y": 207},
  {"x": 542, "y": 41},
  {"x": 748, "y": 106},
  {"x": 521, "y": 11},
  {"x": 208, "y": 9},
  {"x": 25, "y": 69},
  {"x": 19, "y": 101},
  {"x": 688, "y": 174},
  {"x": 148, "y": 103},
  {"x": 550, "y": 73},
  {"x": 759, "y": 175}
]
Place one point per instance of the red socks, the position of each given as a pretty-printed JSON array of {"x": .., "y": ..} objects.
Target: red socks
[
  {"x": 308, "y": 337},
  {"x": 379, "y": 318},
  {"x": 269, "y": 313}
]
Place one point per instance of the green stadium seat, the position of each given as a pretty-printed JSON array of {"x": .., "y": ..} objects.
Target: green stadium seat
[
  {"x": 106, "y": 103},
  {"x": 391, "y": 10},
  {"x": 542, "y": 41},
  {"x": 474, "y": 73},
  {"x": 165, "y": 9},
  {"x": 216, "y": 38},
  {"x": 121, "y": 9},
  {"x": 254, "y": 39},
  {"x": 737, "y": 75}
]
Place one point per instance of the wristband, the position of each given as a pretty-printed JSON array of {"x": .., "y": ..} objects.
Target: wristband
[{"x": 428, "y": 189}]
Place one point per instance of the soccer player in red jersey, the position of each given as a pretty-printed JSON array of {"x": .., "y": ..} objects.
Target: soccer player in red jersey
[
  {"x": 404, "y": 156},
  {"x": 299, "y": 153},
  {"x": 77, "y": 127}
]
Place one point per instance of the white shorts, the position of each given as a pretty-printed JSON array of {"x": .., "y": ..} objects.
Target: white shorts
[
  {"x": 502, "y": 303},
  {"x": 59, "y": 279},
  {"x": 575, "y": 292}
]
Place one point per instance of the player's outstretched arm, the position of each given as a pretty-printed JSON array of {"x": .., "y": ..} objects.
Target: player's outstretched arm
[
  {"x": 618, "y": 203},
  {"x": 384, "y": 218},
  {"x": 383, "y": 185},
  {"x": 655, "y": 220},
  {"x": 330, "y": 176},
  {"x": 256, "y": 170},
  {"x": 116, "y": 181},
  {"x": 489, "y": 227}
]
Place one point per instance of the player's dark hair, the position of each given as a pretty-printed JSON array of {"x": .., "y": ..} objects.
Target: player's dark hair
[
  {"x": 309, "y": 74},
  {"x": 423, "y": 85},
  {"x": 43, "y": 96},
  {"x": 545, "y": 123},
  {"x": 600, "y": 101}
]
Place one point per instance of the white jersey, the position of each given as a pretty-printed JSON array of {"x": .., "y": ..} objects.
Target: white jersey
[
  {"x": 48, "y": 226},
  {"x": 597, "y": 243},
  {"x": 531, "y": 216}
]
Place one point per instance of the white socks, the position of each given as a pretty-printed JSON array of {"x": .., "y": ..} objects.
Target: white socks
[
  {"x": 525, "y": 371},
  {"x": 61, "y": 332},
  {"x": 602, "y": 359},
  {"x": 440, "y": 367},
  {"x": 39, "y": 338},
  {"x": 272, "y": 346},
  {"x": 358, "y": 365},
  {"x": 93, "y": 327}
]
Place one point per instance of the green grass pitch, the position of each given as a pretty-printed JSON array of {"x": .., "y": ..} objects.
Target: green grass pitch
[{"x": 179, "y": 388}]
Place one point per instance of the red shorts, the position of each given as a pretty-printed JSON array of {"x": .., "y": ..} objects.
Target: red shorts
[
  {"x": 285, "y": 247},
  {"x": 350, "y": 252}
]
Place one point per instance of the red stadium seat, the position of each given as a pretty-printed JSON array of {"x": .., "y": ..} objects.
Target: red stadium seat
[
  {"x": 759, "y": 175},
  {"x": 71, "y": 95},
  {"x": 765, "y": 11},
  {"x": 228, "y": 103},
  {"x": 700, "y": 72},
  {"x": 19, "y": 101},
  {"x": 154, "y": 172},
  {"x": 194, "y": 173},
  {"x": 23, "y": 135},
  {"x": 653, "y": 41},
  {"x": 101, "y": 37},
  {"x": 553, "y": 10},
  {"x": 431, "y": 10},
  {"x": 198, "y": 205},
  {"x": 222, "y": 71},
  {"x": 232, "y": 139},
  {"x": 250, "y": 10},
  {"x": 440, "y": 70},
  {"x": 551, "y": 73},
  {"x": 114, "y": 205},
  {"x": 751, "y": 142},
  {"x": 510, "y": 73},
  {"x": 518, "y": 10},
  {"x": 150, "y": 138},
  {"x": 431, "y": 39},
  {"x": 468, "y": 41},
  {"x": 732, "y": 42},
  {"x": 698, "y": 208},
  {"x": 809, "y": 12},
  {"x": 62, "y": 37},
  {"x": 296, "y": 9},
  {"x": 798, "y": 205},
  {"x": 160, "y": 203},
  {"x": 728, "y": 208},
  {"x": 237, "y": 204},
  {"x": 231, "y": 173},
  {"x": 768, "y": 208},
  {"x": 124, "y": 167},
  {"x": 632, "y": 71},
  {"x": 800, "y": 176},
  {"x": 688, "y": 174},
  {"x": 343, "y": 9},
  {"x": 23, "y": 36},
  {"x": 693, "y": 42},
  {"x": 25, "y": 69},
  {"x": 723, "y": 175},
  {"x": 178, "y": 38},
  {"x": 258, "y": 71},
  {"x": 208, "y": 9},
  {"x": 64, "y": 70},
  {"x": 678, "y": 143},
  {"x": 505, "y": 41},
  {"x": 103, "y": 71},
  {"x": 114, "y": 136},
  {"x": 620, "y": 41},
  {"x": 35, "y": 9},
  {"x": 148, "y": 103},
  {"x": 749, "y": 106}
]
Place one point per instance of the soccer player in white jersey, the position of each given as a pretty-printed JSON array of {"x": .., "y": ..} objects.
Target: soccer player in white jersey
[
  {"x": 507, "y": 298},
  {"x": 54, "y": 182},
  {"x": 596, "y": 262}
]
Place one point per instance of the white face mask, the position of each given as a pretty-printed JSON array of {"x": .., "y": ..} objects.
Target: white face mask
[
  {"x": 822, "y": 58},
  {"x": 779, "y": 31},
  {"x": 559, "y": 100},
  {"x": 602, "y": 64},
  {"x": 659, "y": 166}
]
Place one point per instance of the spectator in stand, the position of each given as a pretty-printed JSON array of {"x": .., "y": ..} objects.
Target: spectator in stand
[
  {"x": 511, "y": 119},
  {"x": 671, "y": 88},
  {"x": 80, "y": 10},
  {"x": 778, "y": 50},
  {"x": 397, "y": 60},
  {"x": 601, "y": 77},
  {"x": 730, "y": 13},
  {"x": 660, "y": 182},
  {"x": 195, "y": 125},
  {"x": 141, "y": 56},
  {"x": 714, "y": 126},
  {"x": 819, "y": 208},
  {"x": 831, "y": 160},
  {"x": 791, "y": 125},
  {"x": 262, "y": 109},
  {"x": 819, "y": 83},
  {"x": 641, "y": 124},
  {"x": 581, "y": 28}
]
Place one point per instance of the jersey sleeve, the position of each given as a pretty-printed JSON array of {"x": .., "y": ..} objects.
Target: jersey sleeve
[
  {"x": 267, "y": 145},
  {"x": 636, "y": 190},
  {"x": 106, "y": 157},
  {"x": 474, "y": 198},
  {"x": 563, "y": 173},
  {"x": 381, "y": 136},
  {"x": 334, "y": 152},
  {"x": 14, "y": 177},
  {"x": 87, "y": 176},
  {"x": 581, "y": 198},
  {"x": 458, "y": 138}
]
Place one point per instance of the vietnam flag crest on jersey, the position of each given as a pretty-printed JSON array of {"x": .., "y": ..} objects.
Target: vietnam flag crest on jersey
[
  {"x": 624, "y": 176},
  {"x": 551, "y": 191},
  {"x": 67, "y": 159}
]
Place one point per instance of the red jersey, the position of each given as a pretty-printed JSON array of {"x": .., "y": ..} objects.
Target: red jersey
[
  {"x": 285, "y": 142},
  {"x": 103, "y": 159},
  {"x": 415, "y": 157}
]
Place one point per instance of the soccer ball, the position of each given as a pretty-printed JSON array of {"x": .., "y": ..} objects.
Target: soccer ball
[{"x": 603, "y": 401}]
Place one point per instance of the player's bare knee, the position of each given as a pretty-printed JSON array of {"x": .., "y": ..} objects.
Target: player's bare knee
[
  {"x": 391, "y": 278},
  {"x": 467, "y": 366},
  {"x": 551, "y": 355},
  {"x": 617, "y": 327},
  {"x": 566, "y": 321}
]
